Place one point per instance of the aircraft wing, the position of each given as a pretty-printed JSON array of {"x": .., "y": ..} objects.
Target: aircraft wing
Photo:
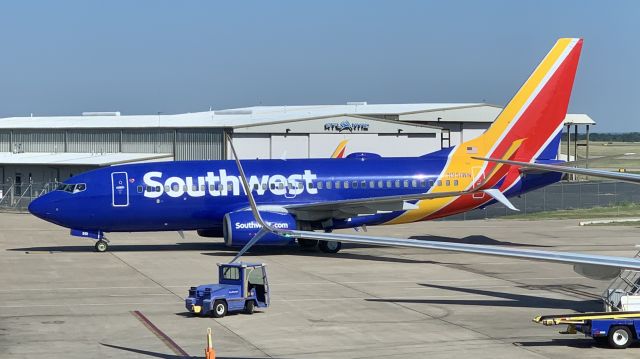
[
  {"x": 626, "y": 177},
  {"x": 373, "y": 205},
  {"x": 593, "y": 266},
  {"x": 577, "y": 259}
]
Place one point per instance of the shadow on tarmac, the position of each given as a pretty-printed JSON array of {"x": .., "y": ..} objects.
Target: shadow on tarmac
[
  {"x": 477, "y": 239},
  {"x": 502, "y": 300},
  {"x": 163, "y": 355},
  {"x": 220, "y": 249}
]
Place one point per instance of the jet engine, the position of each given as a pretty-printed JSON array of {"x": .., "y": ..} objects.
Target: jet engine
[{"x": 240, "y": 227}]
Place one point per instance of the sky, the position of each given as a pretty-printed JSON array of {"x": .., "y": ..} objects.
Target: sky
[{"x": 145, "y": 57}]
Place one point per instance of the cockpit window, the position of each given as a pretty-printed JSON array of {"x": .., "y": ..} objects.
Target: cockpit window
[{"x": 71, "y": 188}]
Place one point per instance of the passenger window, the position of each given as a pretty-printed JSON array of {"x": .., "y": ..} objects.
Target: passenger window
[
  {"x": 414, "y": 183},
  {"x": 280, "y": 185},
  {"x": 158, "y": 189},
  {"x": 346, "y": 184},
  {"x": 167, "y": 188},
  {"x": 319, "y": 184},
  {"x": 431, "y": 183},
  {"x": 212, "y": 188},
  {"x": 264, "y": 186},
  {"x": 380, "y": 184},
  {"x": 311, "y": 185},
  {"x": 203, "y": 187},
  {"x": 363, "y": 184},
  {"x": 175, "y": 187},
  {"x": 372, "y": 184},
  {"x": 329, "y": 184},
  {"x": 389, "y": 184},
  {"x": 439, "y": 182},
  {"x": 397, "y": 183},
  {"x": 354, "y": 184},
  {"x": 338, "y": 184},
  {"x": 406, "y": 183},
  {"x": 140, "y": 189},
  {"x": 448, "y": 183},
  {"x": 423, "y": 183},
  {"x": 455, "y": 182},
  {"x": 272, "y": 186}
]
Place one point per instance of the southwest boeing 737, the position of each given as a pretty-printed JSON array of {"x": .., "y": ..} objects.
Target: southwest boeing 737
[{"x": 281, "y": 202}]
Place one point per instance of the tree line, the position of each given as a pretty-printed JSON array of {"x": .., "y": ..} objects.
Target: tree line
[{"x": 606, "y": 137}]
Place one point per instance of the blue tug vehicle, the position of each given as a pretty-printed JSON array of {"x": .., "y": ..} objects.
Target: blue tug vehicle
[{"x": 241, "y": 287}]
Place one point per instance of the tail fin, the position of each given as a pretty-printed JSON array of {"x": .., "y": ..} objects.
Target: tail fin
[
  {"x": 537, "y": 111},
  {"x": 534, "y": 115}
]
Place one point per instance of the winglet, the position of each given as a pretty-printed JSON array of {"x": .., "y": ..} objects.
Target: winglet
[
  {"x": 252, "y": 203},
  {"x": 247, "y": 189}
]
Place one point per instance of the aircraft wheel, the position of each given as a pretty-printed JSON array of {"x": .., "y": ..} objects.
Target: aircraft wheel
[
  {"x": 101, "y": 246},
  {"x": 619, "y": 337},
  {"x": 307, "y": 243},
  {"x": 330, "y": 246},
  {"x": 219, "y": 309},
  {"x": 249, "y": 306}
]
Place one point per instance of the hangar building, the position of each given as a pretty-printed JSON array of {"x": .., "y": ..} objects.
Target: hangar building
[{"x": 52, "y": 148}]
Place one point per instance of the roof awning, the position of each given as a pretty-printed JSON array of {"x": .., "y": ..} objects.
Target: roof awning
[
  {"x": 578, "y": 119},
  {"x": 79, "y": 159}
]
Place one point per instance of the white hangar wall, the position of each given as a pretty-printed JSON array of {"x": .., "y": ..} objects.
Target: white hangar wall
[{"x": 318, "y": 138}]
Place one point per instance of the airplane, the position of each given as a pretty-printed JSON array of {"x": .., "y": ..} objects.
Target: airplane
[{"x": 306, "y": 195}]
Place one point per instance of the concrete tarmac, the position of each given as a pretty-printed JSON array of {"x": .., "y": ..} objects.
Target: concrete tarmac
[{"x": 60, "y": 299}]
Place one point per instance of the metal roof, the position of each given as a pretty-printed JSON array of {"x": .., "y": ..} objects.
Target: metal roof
[
  {"x": 578, "y": 119},
  {"x": 256, "y": 115},
  {"x": 221, "y": 118},
  {"x": 89, "y": 159}
]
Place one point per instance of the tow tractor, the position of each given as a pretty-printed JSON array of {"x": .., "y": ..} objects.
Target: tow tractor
[
  {"x": 618, "y": 329},
  {"x": 619, "y": 324},
  {"x": 241, "y": 287}
]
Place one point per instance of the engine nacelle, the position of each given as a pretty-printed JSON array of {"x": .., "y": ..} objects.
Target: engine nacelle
[{"x": 240, "y": 227}]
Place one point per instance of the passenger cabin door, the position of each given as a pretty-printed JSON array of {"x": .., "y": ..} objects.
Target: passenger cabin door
[{"x": 119, "y": 189}]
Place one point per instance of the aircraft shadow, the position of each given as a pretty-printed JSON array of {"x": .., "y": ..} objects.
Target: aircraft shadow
[
  {"x": 476, "y": 239},
  {"x": 163, "y": 355},
  {"x": 194, "y": 246},
  {"x": 502, "y": 300}
]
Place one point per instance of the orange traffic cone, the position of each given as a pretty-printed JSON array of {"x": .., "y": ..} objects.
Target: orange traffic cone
[{"x": 209, "y": 352}]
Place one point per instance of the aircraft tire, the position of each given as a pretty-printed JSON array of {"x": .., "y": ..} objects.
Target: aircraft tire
[
  {"x": 620, "y": 337},
  {"x": 329, "y": 246},
  {"x": 101, "y": 246},
  {"x": 249, "y": 306},
  {"x": 219, "y": 309},
  {"x": 307, "y": 243}
]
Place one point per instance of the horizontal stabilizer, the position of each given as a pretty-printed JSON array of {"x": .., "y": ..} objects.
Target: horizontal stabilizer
[{"x": 498, "y": 196}]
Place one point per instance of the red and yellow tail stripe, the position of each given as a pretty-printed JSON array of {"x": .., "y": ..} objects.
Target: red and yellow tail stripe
[
  {"x": 340, "y": 149},
  {"x": 535, "y": 113}
]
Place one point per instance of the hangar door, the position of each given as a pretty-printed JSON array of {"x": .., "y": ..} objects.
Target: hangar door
[
  {"x": 251, "y": 146},
  {"x": 289, "y": 146}
]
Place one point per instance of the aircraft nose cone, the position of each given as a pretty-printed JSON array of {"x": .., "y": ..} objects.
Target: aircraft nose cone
[{"x": 40, "y": 207}]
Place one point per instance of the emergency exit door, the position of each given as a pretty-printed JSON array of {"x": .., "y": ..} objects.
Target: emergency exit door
[{"x": 120, "y": 189}]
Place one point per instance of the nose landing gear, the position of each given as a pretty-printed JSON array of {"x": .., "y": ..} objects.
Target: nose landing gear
[{"x": 101, "y": 245}]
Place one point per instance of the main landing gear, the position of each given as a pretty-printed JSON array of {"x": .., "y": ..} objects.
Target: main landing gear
[{"x": 324, "y": 246}]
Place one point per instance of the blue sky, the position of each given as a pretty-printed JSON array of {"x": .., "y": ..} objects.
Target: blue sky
[{"x": 143, "y": 57}]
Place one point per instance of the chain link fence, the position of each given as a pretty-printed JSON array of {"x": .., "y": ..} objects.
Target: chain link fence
[
  {"x": 17, "y": 196},
  {"x": 559, "y": 196},
  {"x": 562, "y": 196}
]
